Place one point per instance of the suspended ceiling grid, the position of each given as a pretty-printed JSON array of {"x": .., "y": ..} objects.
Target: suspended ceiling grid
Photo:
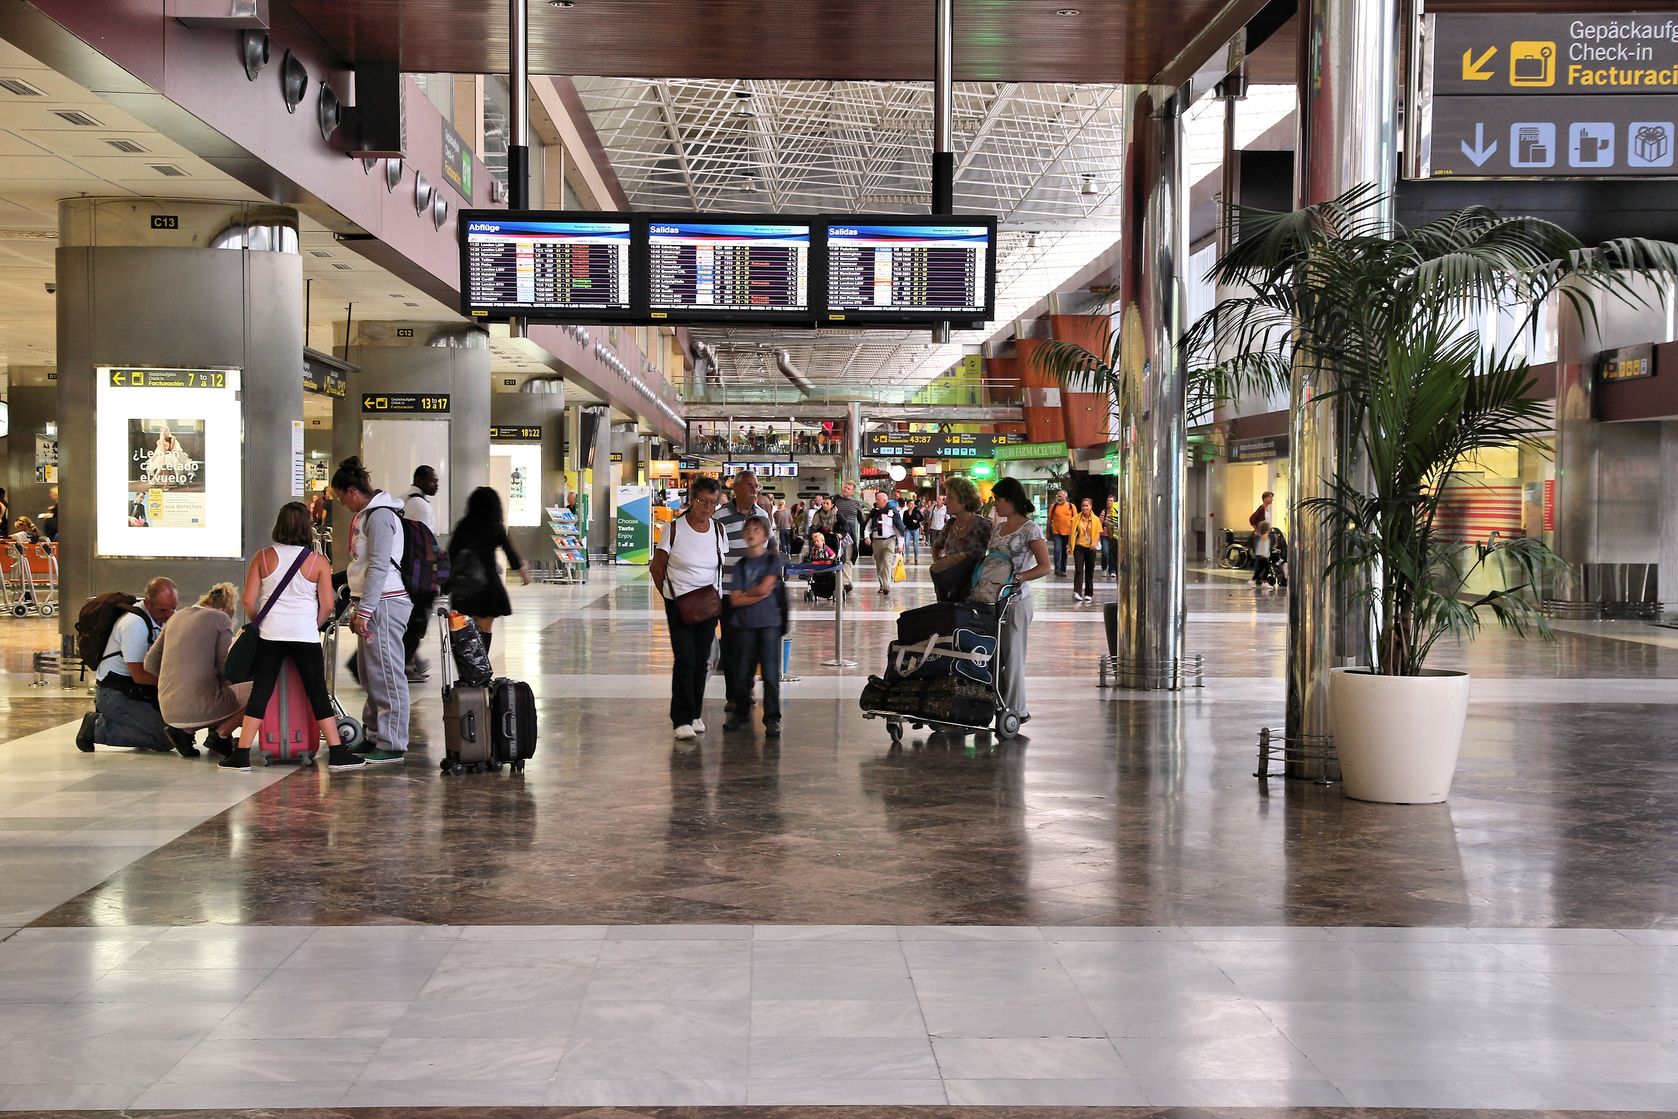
[{"x": 1043, "y": 157}]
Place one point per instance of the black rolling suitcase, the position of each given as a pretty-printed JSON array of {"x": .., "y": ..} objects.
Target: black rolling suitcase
[
  {"x": 470, "y": 716},
  {"x": 915, "y": 626},
  {"x": 512, "y": 723}
]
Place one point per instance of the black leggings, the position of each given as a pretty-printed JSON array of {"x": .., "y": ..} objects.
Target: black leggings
[{"x": 271, "y": 657}]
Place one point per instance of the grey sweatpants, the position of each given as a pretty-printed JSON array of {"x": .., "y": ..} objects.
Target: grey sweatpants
[
  {"x": 1013, "y": 654},
  {"x": 384, "y": 674}
]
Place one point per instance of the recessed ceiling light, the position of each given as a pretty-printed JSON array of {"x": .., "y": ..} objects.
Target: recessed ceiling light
[{"x": 1069, "y": 11}]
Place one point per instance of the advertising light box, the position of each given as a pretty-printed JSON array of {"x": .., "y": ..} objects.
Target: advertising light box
[
  {"x": 168, "y": 461},
  {"x": 545, "y": 265},
  {"x": 515, "y": 469},
  {"x": 910, "y": 269},
  {"x": 701, "y": 267}
]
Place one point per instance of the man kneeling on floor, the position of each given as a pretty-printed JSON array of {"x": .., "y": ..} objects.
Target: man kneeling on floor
[{"x": 125, "y": 706}]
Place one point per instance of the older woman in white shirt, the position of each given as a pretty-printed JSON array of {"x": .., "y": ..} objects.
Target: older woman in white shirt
[{"x": 689, "y": 559}]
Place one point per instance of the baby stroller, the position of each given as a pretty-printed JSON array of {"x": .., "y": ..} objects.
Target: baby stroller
[{"x": 822, "y": 587}]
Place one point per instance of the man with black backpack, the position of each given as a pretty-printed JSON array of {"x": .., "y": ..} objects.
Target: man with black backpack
[
  {"x": 113, "y": 633},
  {"x": 382, "y": 609},
  {"x": 417, "y": 508}
]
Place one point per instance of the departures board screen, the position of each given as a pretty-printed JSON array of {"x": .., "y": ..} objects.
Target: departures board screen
[
  {"x": 699, "y": 267},
  {"x": 910, "y": 269},
  {"x": 544, "y": 267}
]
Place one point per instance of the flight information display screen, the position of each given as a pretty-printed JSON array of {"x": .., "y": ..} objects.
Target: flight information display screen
[
  {"x": 910, "y": 270},
  {"x": 701, "y": 267},
  {"x": 544, "y": 268}
]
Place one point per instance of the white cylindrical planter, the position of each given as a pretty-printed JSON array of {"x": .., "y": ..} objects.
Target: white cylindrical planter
[{"x": 1398, "y": 736}]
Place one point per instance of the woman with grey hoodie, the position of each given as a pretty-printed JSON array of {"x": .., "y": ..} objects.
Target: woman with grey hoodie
[{"x": 382, "y": 609}]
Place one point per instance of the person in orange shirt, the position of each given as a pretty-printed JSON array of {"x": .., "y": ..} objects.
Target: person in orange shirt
[
  {"x": 1061, "y": 514},
  {"x": 1086, "y": 540}
]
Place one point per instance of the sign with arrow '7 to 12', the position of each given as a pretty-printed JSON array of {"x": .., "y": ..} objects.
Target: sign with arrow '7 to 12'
[{"x": 1545, "y": 95}]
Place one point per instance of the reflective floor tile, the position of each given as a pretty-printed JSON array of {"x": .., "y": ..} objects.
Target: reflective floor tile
[
  {"x": 523, "y": 1060},
  {"x": 773, "y": 933},
  {"x": 487, "y": 1019},
  {"x": 1028, "y": 1059},
  {"x": 504, "y": 983},
  {"x": 947, "y": 1017},
  {"x": 445, "y": 1093},
  {"x": 243, "y": 1095},
  {"x": 269, "y": 1019},
  {"x": 329, "y": 985},
  {"x": 195, "y": 984},
  {"x": 151, "y": 1020},
  {"x": 674, "y": 1018},
  {"x": 841, "y": 1058},
  {"x": 691, "y": 1058},
  {"x": 647, "y": 1093},
  {"x": 836, "y": 1018},
  {"x": 644, "y": 984},
  {"x": 57, "y": 1060},
  {"x": 1241, "y": 1093},
  {"x": 1215, "y": 1059},
  {"x": 831, "y": 1093},
  {"x": 241, "y": 1061},
  {"x": 1045, "y": 1093},
  {"x": 67, "y": 1097},
  {"x": 1182, "y": 1018}
]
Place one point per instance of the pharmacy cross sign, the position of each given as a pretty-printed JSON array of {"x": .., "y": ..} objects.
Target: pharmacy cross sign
[{"x": 1546, "y": 95}]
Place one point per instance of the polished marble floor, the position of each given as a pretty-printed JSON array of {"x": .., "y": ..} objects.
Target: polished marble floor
[{"x": 1108, "y": 910}]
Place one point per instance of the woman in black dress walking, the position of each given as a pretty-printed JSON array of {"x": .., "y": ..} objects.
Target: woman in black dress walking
[{"x": 472, "y": 548}]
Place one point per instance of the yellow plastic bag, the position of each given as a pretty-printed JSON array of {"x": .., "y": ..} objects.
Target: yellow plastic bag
[{"x": 900, "y": 572}]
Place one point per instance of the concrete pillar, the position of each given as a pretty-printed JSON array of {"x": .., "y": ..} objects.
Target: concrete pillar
[
  {"x": 417, "y": 359},
  {"x": 597, "y": 431},
  {"x": 1153, "y": 404},
  {"x": 513, "y": 456},
  {"x": 218, "y": 289},
  {"x": 32, "y": 400},
  {"x": 852, "y": 468},
  {"x": 1348, "y": 131}
]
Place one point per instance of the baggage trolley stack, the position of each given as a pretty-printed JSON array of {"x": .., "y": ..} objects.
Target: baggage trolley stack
[
  {"x": 30, "y": 582},
  {"x": 975, "y": 703}
]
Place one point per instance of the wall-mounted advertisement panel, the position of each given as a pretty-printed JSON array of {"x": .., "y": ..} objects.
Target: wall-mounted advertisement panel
[
  {"x": 515, "y": 472},
  {"x": 635, "y": 525},
  {"x": 169, "y": 463}
]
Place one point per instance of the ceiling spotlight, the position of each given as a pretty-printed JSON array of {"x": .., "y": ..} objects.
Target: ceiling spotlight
[
  {"x": 1031, "y": 240},
  {"x": 422, "y": 194},
  {"x": 393, "y": 174},
  {"x": 1069, "y": 11},
  {"x": 328, "y": 112},
  {"x": 1089, "y": 186}
]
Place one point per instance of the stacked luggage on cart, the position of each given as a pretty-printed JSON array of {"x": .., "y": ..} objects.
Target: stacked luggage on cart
[
  {"x": 943, "y": 670},
  {"x": 488, "y": 721}
]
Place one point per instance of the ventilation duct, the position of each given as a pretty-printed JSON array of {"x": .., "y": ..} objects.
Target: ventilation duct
[{"x": 783, "y": 362}]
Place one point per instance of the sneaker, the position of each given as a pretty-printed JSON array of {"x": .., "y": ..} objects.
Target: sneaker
[
  {"x": 684, "y": 733},
  {"x": 340, "y": 758},
  {"x": 218, "y": 745},
  {"x": 737, "y": 724},
  {"x": 772, "y": 730},
  {"x": 184, "y": 745},
  {"x": 238, "y": 758},
  {"x": 84, "y": 733},
  {"x": 367, "y": 746},
  {"x": 383, "y": 757},
  {"x": 727, "y": 707},
  {"x": 699, "y": 726},
  {"x": 415, "y": 676}
]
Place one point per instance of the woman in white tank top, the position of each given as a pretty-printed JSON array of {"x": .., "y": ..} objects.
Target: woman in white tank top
[{"x": 289, "y": 587}]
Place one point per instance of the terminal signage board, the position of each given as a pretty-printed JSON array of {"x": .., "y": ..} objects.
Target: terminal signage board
[
  {"x": 1628, "y": 363},
  {"x": 457, "y": 162},
  {"x": 932, "y": 444},
  {"x": 388, "y": 402},
  {"x": 168, "y": 462},
  {"x": 1545, "y": 95},
  {"x": 515, "y": 433}
]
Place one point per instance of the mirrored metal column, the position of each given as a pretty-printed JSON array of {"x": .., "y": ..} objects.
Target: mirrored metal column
[
  {"x": 1348, "y": 130},
  {"x": 1152, "y": 405}
]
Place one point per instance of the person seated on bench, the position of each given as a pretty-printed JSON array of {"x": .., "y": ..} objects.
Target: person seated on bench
[
  {"x": 125, "y": 708},
  {"x": 187, "y": 659}
]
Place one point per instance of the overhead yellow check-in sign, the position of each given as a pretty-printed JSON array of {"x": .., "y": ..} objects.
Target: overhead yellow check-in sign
[{"x": 1549, "y": 53}]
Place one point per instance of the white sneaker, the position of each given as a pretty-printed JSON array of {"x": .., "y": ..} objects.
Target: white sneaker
[
  {"x": 684, "y": 733},
  {"x": 699, "y": 726}
]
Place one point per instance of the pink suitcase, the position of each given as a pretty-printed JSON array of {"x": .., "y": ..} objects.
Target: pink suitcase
[{"x": 289, "y": 730}]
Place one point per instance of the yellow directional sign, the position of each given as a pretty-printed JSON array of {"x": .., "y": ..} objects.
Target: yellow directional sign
[
  {"x": 1477, "y": 69},
  {"x": 375, "y": 403}
]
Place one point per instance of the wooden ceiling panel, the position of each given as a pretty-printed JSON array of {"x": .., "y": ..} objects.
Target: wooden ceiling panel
[{"x": 881, "y": 40}]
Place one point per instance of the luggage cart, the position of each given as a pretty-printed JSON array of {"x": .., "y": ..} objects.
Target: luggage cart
[
  {"x": 31, "y": 581},
  {"x": 1007, "y": 721},
  {"x": 350, "y": 730}
]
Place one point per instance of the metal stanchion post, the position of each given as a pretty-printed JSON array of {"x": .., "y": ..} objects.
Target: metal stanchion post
[{"x": 839, "y": 660}]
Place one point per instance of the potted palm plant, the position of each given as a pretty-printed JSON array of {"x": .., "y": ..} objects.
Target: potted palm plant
[{"x": 1373, "y": 315}]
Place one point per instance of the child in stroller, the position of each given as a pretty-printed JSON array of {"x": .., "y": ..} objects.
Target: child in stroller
[{"x": 821, "y": 588}]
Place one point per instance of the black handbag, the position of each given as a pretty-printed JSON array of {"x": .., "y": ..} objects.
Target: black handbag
[
  {"x": 953, "y": 582},
  {"x": 240, "y": 666},
  {"x": 467, "y": 577}
]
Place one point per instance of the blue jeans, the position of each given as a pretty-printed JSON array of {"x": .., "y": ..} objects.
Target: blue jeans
[
  {"x": 754, "y": 649},
  {"x": 1060, "y": 552},
  {"x": 912, "y": 544}
]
